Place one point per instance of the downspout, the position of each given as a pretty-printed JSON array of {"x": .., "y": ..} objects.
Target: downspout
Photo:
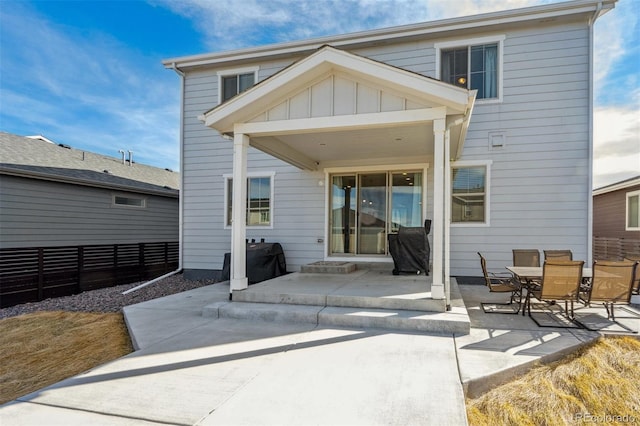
[
  {"x": 592, "y": 21},
  {"x": 180, "y": 197}
]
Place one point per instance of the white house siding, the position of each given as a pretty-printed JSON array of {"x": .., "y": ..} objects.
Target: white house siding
[
  {"x": 539, "y": 179},
  {"x": 38, "y": 213}
]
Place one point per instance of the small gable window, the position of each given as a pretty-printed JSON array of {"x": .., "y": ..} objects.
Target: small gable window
[{"x": 129, "y": 201}]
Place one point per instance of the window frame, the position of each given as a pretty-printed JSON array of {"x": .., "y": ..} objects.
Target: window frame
[
  {"x": 227, "y": 180},
  {"x": 470, "y": 42},
  {"x": 629, "y": 195},
  {"x": 115, "y": 196},
  {"x": 487, "y": 192},
  {"x": 234, "y": 72}
]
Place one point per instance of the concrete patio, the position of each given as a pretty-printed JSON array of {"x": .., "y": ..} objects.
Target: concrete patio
[{"x": 202, "y": 359}]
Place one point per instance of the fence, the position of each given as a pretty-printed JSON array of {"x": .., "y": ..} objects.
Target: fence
[
  {"x": 615, "y": 248},
  {"x": 38, "y": 273}
]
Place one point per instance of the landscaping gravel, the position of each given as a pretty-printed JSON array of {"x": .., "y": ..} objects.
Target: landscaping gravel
[{"x": 107, "y": 299}]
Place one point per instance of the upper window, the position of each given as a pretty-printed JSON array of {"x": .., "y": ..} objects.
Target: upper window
[
  {"x": 473, "y": 64},
  {"x": 259, "y": 205},
  {"x": 633, "y": 211},
  {"x": 233, "y": 82},
  {"x": 472, "y": 67},
  {"x": 469, "y": 194}
]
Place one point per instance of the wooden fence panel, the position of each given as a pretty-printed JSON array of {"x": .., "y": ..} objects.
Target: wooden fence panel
[
  {"x": 37, "y": 273},
  {"x": 605, "y": 248}
]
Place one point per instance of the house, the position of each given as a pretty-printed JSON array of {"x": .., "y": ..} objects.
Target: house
[
  {"x": 482, "y": 124},
  {"x": 616, "y": 220},
  {"x": 55, "y": 195}
]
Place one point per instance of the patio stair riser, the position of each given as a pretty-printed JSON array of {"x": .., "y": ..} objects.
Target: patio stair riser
[
  {"x": 426, "y": 305},
  {"x": 414, "y": 321}
]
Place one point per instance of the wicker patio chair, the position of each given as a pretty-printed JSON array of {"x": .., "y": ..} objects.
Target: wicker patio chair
[
  {"x": 560, "y": 281},
  {"x": 636, "y": 282},
  {"x": 558, "y": 255},
  {"x": 501, "y": 282},
  {"x": 612, "y": 284}
]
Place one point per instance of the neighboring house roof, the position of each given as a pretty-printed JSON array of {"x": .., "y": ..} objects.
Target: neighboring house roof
[
  {"x": 590, "y": 9},
  {"x": 623, "y": 184},
  {"x": 39, "y": 158}
]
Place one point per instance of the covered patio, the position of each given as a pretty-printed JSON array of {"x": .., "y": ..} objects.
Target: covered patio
[{"x": 334, "y": 110}]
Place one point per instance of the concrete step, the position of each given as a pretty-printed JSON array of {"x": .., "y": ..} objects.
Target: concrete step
[
  {"x": 340, "y": 300},
  {"x": 455, "y": 321}
]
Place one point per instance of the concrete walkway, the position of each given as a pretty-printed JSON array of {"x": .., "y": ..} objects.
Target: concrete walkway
[{"x": 194, "y": 370}]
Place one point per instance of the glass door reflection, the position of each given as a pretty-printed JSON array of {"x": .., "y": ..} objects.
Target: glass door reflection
[
  {"x": 343, "y": 214},
  {"x": 372, "y": 218}
]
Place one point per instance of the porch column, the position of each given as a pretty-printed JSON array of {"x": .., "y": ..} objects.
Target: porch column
[
  {"x": 239, "y": 279},
  {"x": 437, "y": 286},
  {"x": 447, "y": 217}
]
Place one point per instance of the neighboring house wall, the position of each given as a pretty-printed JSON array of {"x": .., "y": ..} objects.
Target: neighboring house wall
[
  {"x": 37, "y": 212},
  {"x": 609, "y": 214},
  {"x": 540, "y": 178}
]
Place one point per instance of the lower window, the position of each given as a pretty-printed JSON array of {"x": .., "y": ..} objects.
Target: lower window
[
  {"x": 633, "y": 211},
  {"x": 259, "y": 206},
  {"x": 469, "y": 194}
]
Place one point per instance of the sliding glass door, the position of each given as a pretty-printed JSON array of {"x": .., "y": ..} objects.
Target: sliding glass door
[{"x": 365, "y": 207}]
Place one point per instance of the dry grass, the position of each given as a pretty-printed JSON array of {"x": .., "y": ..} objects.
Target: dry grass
[
  {"x": 40, "y": 349},
  {"x": 601, "y": 380}
]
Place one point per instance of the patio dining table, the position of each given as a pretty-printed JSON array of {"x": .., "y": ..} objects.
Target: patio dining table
[{"x": 535, "y": 272}]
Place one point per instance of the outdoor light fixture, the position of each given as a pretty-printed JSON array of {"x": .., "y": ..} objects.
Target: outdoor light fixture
[{"x": 462, "y": 80}]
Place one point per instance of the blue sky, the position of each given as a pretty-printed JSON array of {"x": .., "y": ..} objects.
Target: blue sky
[{"x": 89, "y": 73}]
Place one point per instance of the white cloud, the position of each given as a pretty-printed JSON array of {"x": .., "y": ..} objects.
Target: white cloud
[
  {"x": 229, "y": 24},
  {"x": 616, "y": 145}
]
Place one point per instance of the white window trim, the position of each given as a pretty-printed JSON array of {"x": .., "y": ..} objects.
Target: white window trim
[
  {"x": 127, "y": 206},
  {"x": 499, "y": 39},
  {"x": 270, "y": 174},
  {"x": 235, "y": 71},
  {"x": 626, "y": 211},
  {"x": 487, "y": 193}
]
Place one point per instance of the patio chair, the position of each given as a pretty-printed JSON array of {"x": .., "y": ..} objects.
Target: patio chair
[
  {"x": 527, "y": 257},
  {"x": 501, "y": 282},
  {"x": 611, "y": 284},
  {"x": 558, "y": 255},
  {"x": 560, "y": 281},
  {"x": 636, "y": 282}
]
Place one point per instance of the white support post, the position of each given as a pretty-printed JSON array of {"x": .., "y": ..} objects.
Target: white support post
[
  {"x": 447, "y": 217},
  {"x": 239, "y": 280},
  {"x": 437, "y": 286}
]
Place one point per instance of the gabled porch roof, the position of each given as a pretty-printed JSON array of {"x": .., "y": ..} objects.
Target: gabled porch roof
[{"x": 333, "y": 106}]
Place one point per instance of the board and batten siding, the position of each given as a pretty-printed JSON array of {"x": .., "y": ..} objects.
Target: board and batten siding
[
  {"x": 40, "y": 213},
  {"x": 540, "y": 181}
]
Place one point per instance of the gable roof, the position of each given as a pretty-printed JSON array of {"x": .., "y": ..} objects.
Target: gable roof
[
  {"x": 323, "y": 62},
  {"x": 623, "y": 184},
  {"x": 39, "y": 158},
  {"x": 582, "y": 9}
]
